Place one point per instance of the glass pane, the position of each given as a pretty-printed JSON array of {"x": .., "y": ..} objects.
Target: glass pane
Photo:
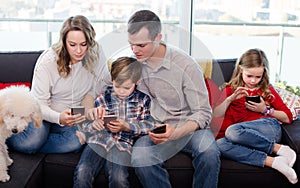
[
  {"x": 45, "y": 17},
  {"x": 271, "y": 25}
]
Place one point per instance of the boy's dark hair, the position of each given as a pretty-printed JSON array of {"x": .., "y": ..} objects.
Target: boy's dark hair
[
  {"x": 147, "y": 19},
  {"x": 125, "y": 68}
]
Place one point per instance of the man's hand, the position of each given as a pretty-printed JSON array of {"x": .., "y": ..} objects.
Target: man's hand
[{"x": 162, "y": 137}]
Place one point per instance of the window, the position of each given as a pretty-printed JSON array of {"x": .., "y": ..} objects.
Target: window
[{"x": 205, "y": 29}]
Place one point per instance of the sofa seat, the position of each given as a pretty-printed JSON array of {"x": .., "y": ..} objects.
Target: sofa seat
[
  {"x": 26, "y": 171},
  {"x": 59, "y": 168}
]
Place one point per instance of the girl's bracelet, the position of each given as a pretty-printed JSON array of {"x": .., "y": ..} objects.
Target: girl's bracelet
[{"x": 268, "y": 111}]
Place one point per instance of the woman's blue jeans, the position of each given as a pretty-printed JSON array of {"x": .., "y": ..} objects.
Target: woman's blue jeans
[
  {"x": 148, "y": 158},
  {"x": 48, "y": 138},
  {"x": 92, "y": 160},
  {"x": 250, "y": 142}
]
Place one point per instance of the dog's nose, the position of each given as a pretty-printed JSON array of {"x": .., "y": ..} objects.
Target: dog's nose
[{"x": 14, "y": 130}]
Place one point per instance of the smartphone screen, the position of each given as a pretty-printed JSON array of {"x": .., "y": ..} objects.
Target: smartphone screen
[
  {"x": 159, "y": 130},
  {"x": 253, "y": 99},
  {"x": 108, "y": 119},
  {"x": 77, "y": 110}
]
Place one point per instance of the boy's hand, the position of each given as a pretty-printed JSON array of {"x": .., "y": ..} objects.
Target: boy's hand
[
  {"x": 95, "y": 113},
  {"x": 98, "y": 124},
  {"x": 118, "y": 125}
]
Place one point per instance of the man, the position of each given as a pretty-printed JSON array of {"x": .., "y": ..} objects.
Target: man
[{"x": 179, "y": 99}]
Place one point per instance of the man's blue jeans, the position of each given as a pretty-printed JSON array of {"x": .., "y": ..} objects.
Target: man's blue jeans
[
  {"x": 148, "y": 158},
  {"x": 93, "y": 159},
  {"x": 48, "y": 138},
  {"x": 250, "y": 142}
]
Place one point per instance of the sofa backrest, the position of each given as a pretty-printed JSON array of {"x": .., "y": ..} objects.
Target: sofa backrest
[
  {"x": 17, "y": 66},
  {"x": 222, "y": 70}
]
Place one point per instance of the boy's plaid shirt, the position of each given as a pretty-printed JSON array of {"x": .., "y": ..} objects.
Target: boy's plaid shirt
[{"x": 135, "y": 109}]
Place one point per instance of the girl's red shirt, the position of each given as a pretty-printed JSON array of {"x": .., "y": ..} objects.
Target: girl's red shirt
[{"x": 237, "y": 111}]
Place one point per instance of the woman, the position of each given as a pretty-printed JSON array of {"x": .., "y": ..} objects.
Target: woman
[{"x": 64, "y": 76}]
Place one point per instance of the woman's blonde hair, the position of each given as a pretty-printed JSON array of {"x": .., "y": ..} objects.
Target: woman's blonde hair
[
  {"x": 91, "y": 58},
  {"x": 250, "y": 59}
]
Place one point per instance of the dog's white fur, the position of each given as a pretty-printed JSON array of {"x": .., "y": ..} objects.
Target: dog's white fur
[{"x": 17, "y": 108}]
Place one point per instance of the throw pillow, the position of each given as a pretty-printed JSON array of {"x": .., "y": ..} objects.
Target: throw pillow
[
  {"x": 213, "y": 91},
  {"x": 291, "y": 100},
  {"x": 5, "y": 85}
]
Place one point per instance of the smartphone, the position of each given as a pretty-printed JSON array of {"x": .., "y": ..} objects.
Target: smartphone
[
  {"x": 253, "y": 98},
  {"x": 108, "y": 119},
  {"x": 77, "y": 110},
  {"x": 159, "y": 130}
]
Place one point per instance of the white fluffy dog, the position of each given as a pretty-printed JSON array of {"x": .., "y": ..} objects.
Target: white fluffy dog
[{"x": 17, "y": 108}]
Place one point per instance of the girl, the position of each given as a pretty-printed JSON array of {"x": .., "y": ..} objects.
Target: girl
[{"x": 252, "y": 130}]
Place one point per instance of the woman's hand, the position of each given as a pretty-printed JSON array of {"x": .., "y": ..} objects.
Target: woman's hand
[
  {"x": 256, "y": 107},
  {"x": 95, "y": 113},
  {"x": 163, "y": 137},
  {"x": 67, "y": 119}
]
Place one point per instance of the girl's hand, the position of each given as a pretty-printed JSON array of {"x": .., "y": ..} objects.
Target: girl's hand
[
  {"x": 256, "y": 107},
  {"x": 67, "y": 119},
  {"x": 95, "y": 113},
  {"x": 118, "y": 125},
  {"x": 238, "y": 93},
  {"x": 160, "y": 138}
]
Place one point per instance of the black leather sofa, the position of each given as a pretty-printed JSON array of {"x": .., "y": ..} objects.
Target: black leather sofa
[{"x": 56, "y": 170}]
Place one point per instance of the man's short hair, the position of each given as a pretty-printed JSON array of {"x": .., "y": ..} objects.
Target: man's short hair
[{"x": 147, "y": 19}]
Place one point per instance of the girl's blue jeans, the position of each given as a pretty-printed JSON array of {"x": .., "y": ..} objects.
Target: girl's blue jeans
[
  {"x": 250, "y": 142},
  {"x": 48, "y": 138}
]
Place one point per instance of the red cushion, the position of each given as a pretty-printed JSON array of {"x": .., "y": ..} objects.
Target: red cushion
[
  {"x": 214, "y": 94},
  {"x": 213, "y": 91},
  {"x": 4, "y": 85}
]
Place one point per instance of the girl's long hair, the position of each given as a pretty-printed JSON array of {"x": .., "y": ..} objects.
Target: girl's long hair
[
  {"x": 250, "y": 59},
  {"x": 91, "y": 58}
]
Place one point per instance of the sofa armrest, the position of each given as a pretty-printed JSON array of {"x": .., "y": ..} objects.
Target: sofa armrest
[{"x": 291, "y": 135}]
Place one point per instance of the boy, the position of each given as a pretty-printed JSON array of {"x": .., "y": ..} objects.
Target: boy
[{"x": 111, "y": 144}]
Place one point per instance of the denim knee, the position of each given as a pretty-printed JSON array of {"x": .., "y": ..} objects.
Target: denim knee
[
  {"x": 142, "y": 154},
  {"x": 207, "y": 150},
  {"x": 232, "y": 132},
  {"x": 30, "y": 140},
  {"x": 118, "y": 175},
  {"x": 222, "y": 145}
]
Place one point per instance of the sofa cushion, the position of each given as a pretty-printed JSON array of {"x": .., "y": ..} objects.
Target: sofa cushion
[
  {"x": 237, "y": 175},
  {"x": 17, "y": 66},
  {"x": 291, "y": 100},
  {"x": 213, "y": 91},
  {"x": 5, "y": 85},
  {"x": 222, "y": 70},
  {"x": 59, "y": 170},
  {"x": 26, "y": 171}
]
